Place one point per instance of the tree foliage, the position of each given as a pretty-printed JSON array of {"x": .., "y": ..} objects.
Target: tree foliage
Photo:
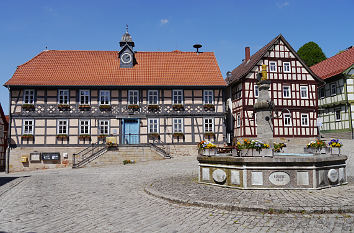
[{"x": 311, "y": 53}]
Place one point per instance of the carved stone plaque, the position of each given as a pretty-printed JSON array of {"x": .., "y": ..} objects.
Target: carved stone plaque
[
  {"x": 219, "y": 176},
  {"x": 279, "y": 178},
  {"x": 332, "y": 175}
]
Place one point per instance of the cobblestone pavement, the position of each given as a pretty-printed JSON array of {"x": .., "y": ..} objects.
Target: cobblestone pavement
[{"x": 112, "y": 199}]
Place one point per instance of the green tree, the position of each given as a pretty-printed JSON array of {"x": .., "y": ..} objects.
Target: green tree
[{"x": 311, "y": 53}]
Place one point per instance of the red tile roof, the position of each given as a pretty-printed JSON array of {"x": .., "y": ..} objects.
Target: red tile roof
[
  {"x": 102, "y": 68},
  {"x": 334, "y": 65}
]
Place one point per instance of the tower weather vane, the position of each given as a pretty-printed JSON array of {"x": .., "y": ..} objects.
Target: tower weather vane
[{"x": 126, "y": 27}]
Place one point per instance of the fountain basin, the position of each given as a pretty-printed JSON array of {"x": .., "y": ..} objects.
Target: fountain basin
[{"x": 283, "y": 171}]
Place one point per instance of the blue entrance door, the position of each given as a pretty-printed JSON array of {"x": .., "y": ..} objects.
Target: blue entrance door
[{"x": 131, "y": 131}]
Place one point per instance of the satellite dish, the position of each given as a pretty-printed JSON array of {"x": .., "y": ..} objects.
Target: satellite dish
[{"x": 197, "y": 46}]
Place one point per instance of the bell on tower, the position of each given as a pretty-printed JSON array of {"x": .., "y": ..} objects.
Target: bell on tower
[{"x": 126, "y": 39}]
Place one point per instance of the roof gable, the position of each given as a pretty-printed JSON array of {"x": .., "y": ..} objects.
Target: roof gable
[
  {"x": 247, "y": 66},
  {"x": 334, "y": 65}
]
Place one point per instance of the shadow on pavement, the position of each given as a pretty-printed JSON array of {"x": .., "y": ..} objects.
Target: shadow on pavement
[{"x": 5, "y": 180}]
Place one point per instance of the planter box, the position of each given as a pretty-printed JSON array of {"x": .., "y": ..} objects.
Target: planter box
[
  {"x": 335, "y": 150},
  {"x": 63, "y": 107},
  {"x": 83, "y": 137},
  {"x": 178, "y": 107},
  {"x": 311, "y": 150},
  {"x": 62, "y": 136},
  {"x": 105, "y": 107},
  {"x": 27, "y": 136},
  {"x": 84, "y": 107},
  {"x": 178, "y": 134},
  {"x": 210, "y": 152},
  {"x": 153, "y": 107},
  {"x": 28, "y": 107},
  {"x": 134, "y": 107},
  {"x": 209, "y": 107},
  {"x": 255, "y": 153}
]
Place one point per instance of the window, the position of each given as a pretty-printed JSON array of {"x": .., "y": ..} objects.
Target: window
[
  {"x": 208, "y": 125},
  {"x": 178, "y": 125},
  {"x": 272, "y": 66},
  {"x": 286, "y": 91},
  {"x": 304, "y": 92},
  {"x": 338, "y": 115},
  {"x": 322, "y": 92},
  {"x": 105, "y": 97},
  {"x": 63, "y": 96},
  {"x": 333, "y": 89},
  {"x": 208, "y": 96},
  {"x": 256, "y": 91},
  {"x": 153, "y": 125},
  {"x": 133, "y": 97},
  {"x": 28, "y": 126},
  {"x": 84, "y": 97},
  {"x": 304, "y": 119},
  {"x": 238, "y": 120},
  {"x": 62, "y": 127},
  {"x": 103, "y": 127},
  {"x": 84, "y": 127},
  {"x": 153, "y": 97},
  {"x": 286, "y": 67},
  {"x": 237, "y": 92},
  {"x": 28, "y": 96},
  {"x": 177, "y": 97},
  {"x": 287, "y": 119}
]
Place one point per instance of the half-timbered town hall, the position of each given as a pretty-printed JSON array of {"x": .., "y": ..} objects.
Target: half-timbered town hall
[
  {"x": 293, "y": 92},
  {"x": 63, "y": 101}
]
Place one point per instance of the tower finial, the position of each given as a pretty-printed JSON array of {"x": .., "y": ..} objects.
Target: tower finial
[{"x": 126, "y": 27}]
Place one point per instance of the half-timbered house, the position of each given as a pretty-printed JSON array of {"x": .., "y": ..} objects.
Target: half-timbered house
[
  {"x": 293, "y": 92},
  {"x": 336, "y": 97},
  {"x": 64, "y": 101}
]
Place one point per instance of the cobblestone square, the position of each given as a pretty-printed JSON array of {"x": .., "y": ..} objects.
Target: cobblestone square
[{"x": 112, "y": 199}]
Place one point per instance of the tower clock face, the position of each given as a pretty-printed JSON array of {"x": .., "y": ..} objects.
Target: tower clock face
[{"x": 126, "y": 58}]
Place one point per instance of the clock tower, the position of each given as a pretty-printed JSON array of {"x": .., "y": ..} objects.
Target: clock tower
[{"x": 126, "y": 53}]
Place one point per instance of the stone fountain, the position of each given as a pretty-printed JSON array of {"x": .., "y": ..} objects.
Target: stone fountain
[{"x": 269, "y": 170}]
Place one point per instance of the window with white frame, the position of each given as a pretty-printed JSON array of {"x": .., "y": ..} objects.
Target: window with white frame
[
  {"x": 238, "y": 120},
  {"x": 208, "y": 125},
  {"x": 177, "y": 96},
  {"x": 272, "y": 66},
  {"x": 103, "y": 127},
  {"x": 84, "y": 97},
  {"x": 256, "y": 91},
  {"x": 304, "y": 119},
  {"x": 286, "y": 67},
  {"x": 63, "y": 96},
  {"x": 105, "y": 97},
  {"x": 338, "y": 116},
  {"x": 208, "y": 96},
  {"x": 28, "y": 96},
  {"x": 62, "y": 127},
  {"x": 28, "y": 126},
  {"x": 287, "y": 119},
  {"x": 133, "y": 97},
  {"x": 286, "y": 91},
  {"x": 333, "y": 89},
  {"x": 153, "y": 97},
  {"x": 84, "y": 127},
  {"x": 178, "y": 125},
  {"x": 304, "y": 92},
  {"x": 153, "y": 125}
]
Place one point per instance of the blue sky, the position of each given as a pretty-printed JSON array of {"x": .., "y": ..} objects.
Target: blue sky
[{"x": 224, "y": 27}]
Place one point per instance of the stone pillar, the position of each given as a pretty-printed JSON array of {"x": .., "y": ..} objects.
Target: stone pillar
[{"x": 264, "y": 114}]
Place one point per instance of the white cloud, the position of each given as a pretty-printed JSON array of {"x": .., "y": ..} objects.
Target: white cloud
[
  {"x": 283, "y": 4},
  {"x": 163, "y": 21}
]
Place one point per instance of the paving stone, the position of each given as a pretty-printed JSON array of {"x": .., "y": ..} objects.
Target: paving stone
[{"x": 112, "y": 199}]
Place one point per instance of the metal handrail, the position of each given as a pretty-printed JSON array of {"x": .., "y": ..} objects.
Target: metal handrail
[{"x": 87, "y": 150}]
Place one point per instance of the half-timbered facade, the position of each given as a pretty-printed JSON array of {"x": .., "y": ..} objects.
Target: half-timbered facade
[
  {"x": 70, "y": 99},
  {"x": 336, "y": 97},
  {"x": 293, "y": 92}
]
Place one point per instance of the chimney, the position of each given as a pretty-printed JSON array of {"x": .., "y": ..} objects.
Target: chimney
[{"x": 247, "y": 54}]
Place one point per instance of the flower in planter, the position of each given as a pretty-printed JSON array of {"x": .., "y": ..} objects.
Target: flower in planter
[
  {"x": 209, "y": 106},
  {"x": 133, "y": 106},
  {"x": 178, "y": 134},
  {"x": 63, "y": 106},
  {"x": 154, "y": 135},
  {"x": 27, "y": 136},
  {"x": 84, "y": 106},
  {"x": 335, "y": 143},
  {"x": 28, "y": 106},
  {"x": 278, "y": 146},
  {"x": 127, "y": 161},
  {"x": 101, "y": 136},
  {"x": 153, "y": 107},
  {"x": 111, "y": 144},
  {"x": 178, "y": 107},
  {"x": 62, "y": 136},
  {"x": 318, "y": 144},
  {"x": 206, "y": 145},
  {"x": 84, "y": 136}
]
